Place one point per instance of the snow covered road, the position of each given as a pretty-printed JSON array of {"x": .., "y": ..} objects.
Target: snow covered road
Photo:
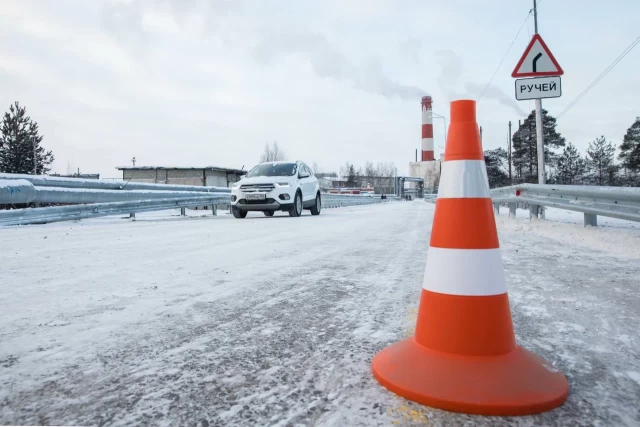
[{"x": 274, "y": 321}]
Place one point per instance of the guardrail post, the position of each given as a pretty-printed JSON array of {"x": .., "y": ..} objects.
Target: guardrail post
[
  {"x": 183, "y": 211},
  {"x": 214, "y": 210},
  {"x": 533, "y": 212},
  {"x": 590, "y": 219},
  {"x": 512, "y": 210}
]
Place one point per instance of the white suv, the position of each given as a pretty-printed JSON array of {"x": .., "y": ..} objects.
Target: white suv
[{"x": 276, "y": 186}]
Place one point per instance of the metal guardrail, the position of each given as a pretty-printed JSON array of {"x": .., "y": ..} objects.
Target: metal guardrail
[
  {"x": 20, "y": 191},
  {"x": 330, "y": 201},
  {"x": 94, "y": 210},
  {"x": 53, "y": 181},
  {"x": 613, "y": 202}
]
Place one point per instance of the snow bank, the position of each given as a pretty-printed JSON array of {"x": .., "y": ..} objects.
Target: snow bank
[{"x": 612, "y": 236}]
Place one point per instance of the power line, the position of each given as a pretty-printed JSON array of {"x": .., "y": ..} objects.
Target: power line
[
  {"x": 505, "y": 55},
  {"x": 509, "y": 49},
  {"x": 604, "y": 73}
]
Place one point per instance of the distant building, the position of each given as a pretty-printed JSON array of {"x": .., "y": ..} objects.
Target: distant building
[
  {"x": 210, "y": 176},
  {"x": 361, "y": 184},
  {"x": 429, "y": 171},
  {"x": 78, "y": 175}
]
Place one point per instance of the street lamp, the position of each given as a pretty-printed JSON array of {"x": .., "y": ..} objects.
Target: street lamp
[{"x": 438, "y": 116}]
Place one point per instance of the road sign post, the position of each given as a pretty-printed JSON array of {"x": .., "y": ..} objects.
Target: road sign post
[{"x": 538, "y": 61}]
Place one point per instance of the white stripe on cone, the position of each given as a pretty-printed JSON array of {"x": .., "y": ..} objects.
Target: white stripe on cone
[
  {"x": 463, "y": 179},
  {"x": 466, "y": 272}
]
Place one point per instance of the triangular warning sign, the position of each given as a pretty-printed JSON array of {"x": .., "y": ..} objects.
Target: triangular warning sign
[{"x": 537, "y": 61}]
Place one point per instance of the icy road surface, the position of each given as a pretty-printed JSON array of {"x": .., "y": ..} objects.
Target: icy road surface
[{"x": 274, "y": 321}]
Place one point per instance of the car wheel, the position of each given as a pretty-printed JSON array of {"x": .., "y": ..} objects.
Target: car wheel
[
  {"x": 237, "y": 213},
  {"x": 296, "y": 210},
  {"x": 315, "y": 210},
  {"x": 268, "y": 213}
]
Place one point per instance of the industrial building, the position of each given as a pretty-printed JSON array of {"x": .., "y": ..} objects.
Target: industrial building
[
  {"x": 429, "y": 167},
  {"x": 78, "y": 175},
  {"x": 361, "y": 184},
  {"x": 210, "y": 176}
]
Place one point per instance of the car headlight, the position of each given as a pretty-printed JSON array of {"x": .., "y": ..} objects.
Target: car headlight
[
  {"x": 235, "y": 185},
  {"x": 283, "y": 184}
]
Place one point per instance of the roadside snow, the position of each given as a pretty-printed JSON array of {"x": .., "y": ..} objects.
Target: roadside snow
[
  {"x": 613, "y": 236},
  {"x": 210, "y": 320}
]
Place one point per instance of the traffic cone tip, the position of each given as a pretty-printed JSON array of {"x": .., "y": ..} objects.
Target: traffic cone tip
[{"x": 463, "y": 110}]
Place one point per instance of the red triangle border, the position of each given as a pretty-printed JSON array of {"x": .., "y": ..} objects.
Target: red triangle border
[{"x": 538, "y": 73}]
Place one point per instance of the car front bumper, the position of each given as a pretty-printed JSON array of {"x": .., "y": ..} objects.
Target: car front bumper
[{"x": 276, "y": 199}]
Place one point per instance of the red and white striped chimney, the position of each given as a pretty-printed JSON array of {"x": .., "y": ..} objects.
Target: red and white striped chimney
[{"x": 427, "y": 129}]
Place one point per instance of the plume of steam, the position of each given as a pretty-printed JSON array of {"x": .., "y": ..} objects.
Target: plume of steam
[
  {"x": 450, "y": 74},
  {"x": 328, "y": 62},
  {"x": 374, "y": 80},
  {"x": 412, "y": 48},
  {"x": 267, "y": 43},
  {"x": 495, "y": 93}
]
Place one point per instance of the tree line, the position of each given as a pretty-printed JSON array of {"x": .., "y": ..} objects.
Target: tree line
[
  {"x": 564, "y": 164},
  {"x": 274, "y": 153}
]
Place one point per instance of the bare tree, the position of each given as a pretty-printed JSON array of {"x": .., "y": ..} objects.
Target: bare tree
[
  {"x": 384, "y": 169},
  {"x": 344, "y": 169},
  {"x": 315, "y": 168},
  {"x": 431, "y": 181},
  {"x": 369, "y": 170},
  {"x": 273, "y": 154},
  {"x": 71, "y": 168}
]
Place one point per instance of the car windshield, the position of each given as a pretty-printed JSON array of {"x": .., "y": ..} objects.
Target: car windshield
[{"x": 274, "y": 169}]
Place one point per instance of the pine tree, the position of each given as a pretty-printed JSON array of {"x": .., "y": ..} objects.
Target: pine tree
[
  {"x": 630, "y": 153},
  {"x": 525, "y": 149},
  {"x": 19, "y": 141},
  {"x": 600, "y": 161},
  {"x": 571, "y": 166},
  {"x": 351, "y": 181},
  {"x": 495, "y": 161}
]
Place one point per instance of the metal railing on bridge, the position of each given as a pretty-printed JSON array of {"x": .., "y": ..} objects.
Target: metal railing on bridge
[
  {"x": 343, "y": 200},
  {"x": 92, "y": 198},
  {"x": 614, "y": 202}
]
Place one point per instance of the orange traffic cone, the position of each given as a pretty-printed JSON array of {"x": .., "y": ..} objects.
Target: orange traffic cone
[{"x": 463, "y": 356}]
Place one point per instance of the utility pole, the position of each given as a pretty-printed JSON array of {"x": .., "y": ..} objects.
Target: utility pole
[
  {"x": 539, "y": 133},
  {"x": 510, "y": 179},
  {"x": 35, "y": 158},
  {"x": 134, "y": 162}
]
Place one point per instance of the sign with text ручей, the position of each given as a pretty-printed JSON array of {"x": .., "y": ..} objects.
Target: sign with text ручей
[{"x": 538, "y": 88}]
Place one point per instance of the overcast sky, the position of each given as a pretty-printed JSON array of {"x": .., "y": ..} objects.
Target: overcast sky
[{"x": 209, "y": 82}]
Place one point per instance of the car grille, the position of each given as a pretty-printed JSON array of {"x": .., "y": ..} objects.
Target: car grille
[
  {"x": 253, "y": 188},
  {"x": 257, "y": 202}
]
